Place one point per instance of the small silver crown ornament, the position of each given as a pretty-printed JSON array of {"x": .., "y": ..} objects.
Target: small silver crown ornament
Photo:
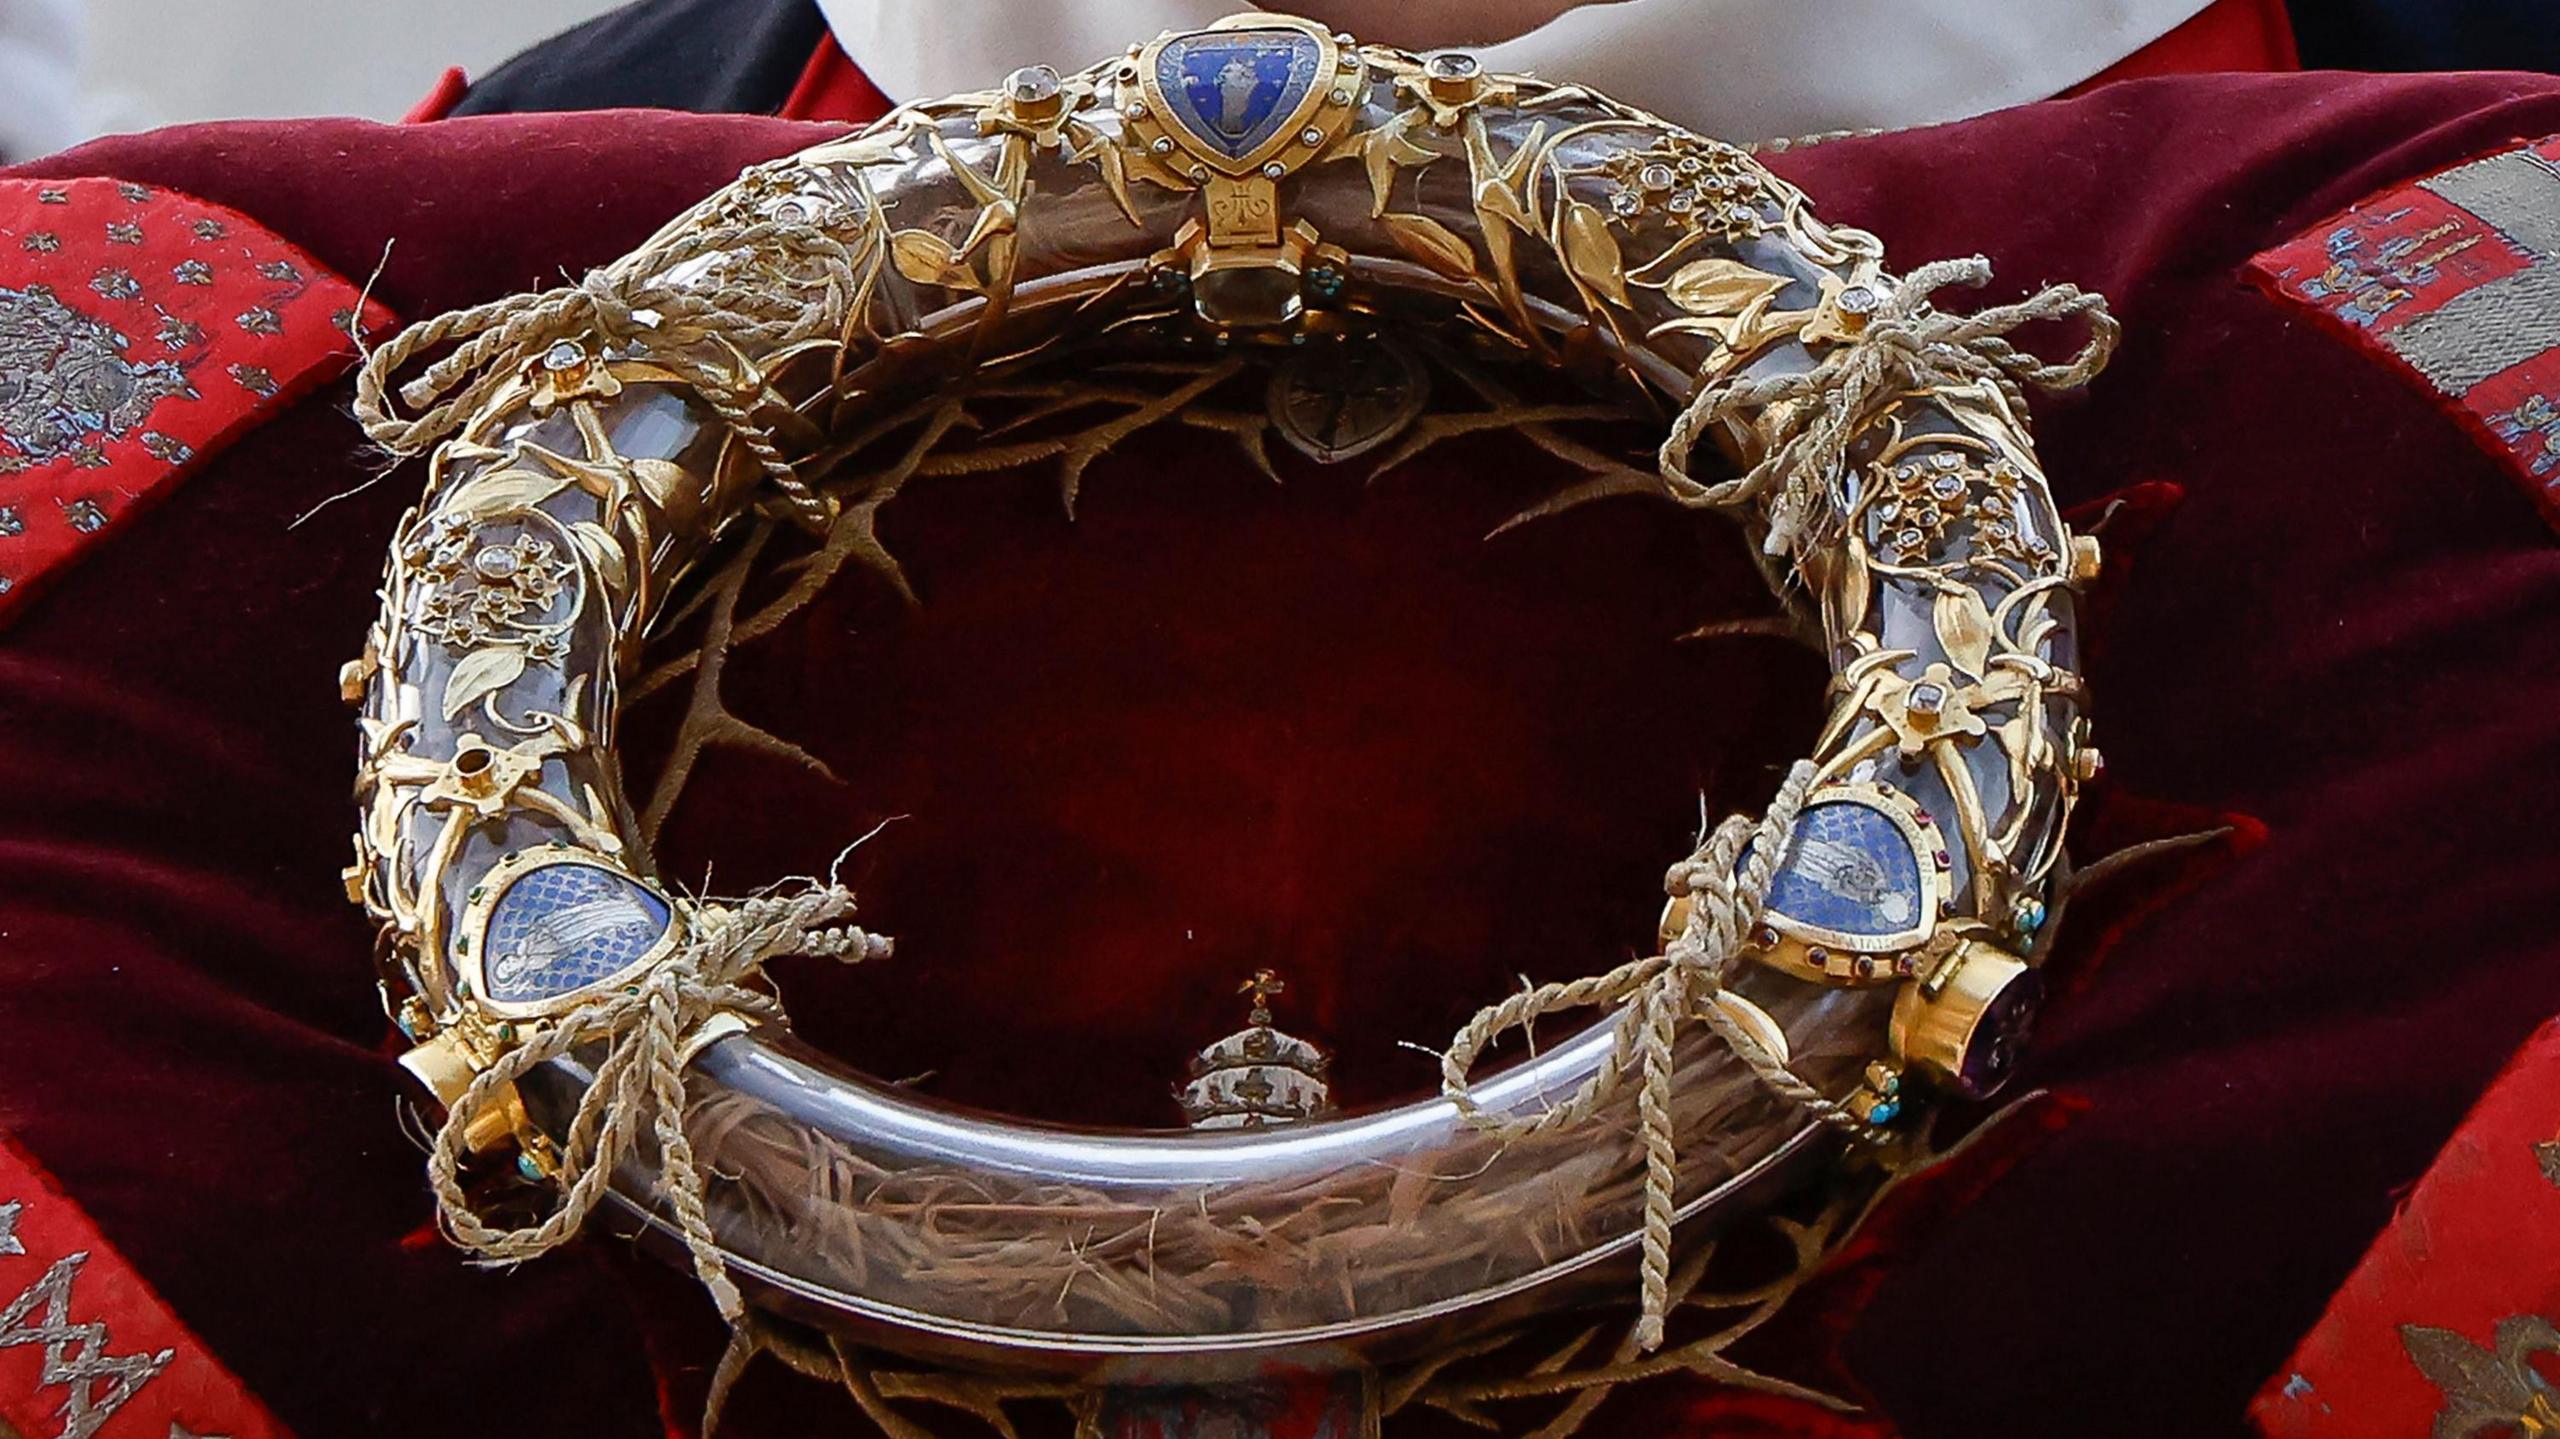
[{"x": 1257, "y": 1076}]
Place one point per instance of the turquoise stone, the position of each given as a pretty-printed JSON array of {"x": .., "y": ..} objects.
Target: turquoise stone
[{"x": 2030, "y": 915}]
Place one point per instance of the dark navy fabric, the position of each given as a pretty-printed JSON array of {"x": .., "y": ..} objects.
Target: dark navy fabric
[
  {"x": 714, "y": 57},
  {"x": 744, "y": 56},
  {"x": 2428, "y": 34}
]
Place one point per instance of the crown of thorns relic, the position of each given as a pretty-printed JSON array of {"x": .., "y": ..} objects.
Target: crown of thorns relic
[{"x": 1260, "y": 190}]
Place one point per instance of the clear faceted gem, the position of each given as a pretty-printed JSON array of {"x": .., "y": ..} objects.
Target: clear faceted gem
[
  {"x": 1625, "y": 202},
  {"x": 1681, "y": 203},
  {"x": 564, "y": 355},
  {"x": 1137, "y": 110},
  {"x": 1857, "y": 300},
  {"x": 1944, "y": 460},
  {"x": 1453, "y": 65},
  {"x": 1927, "y": 699},
  {"x": 1908, "y": 539},
  {"x": 1946, "y": 487},
  {"x": 1274, "y": 170},
  {"x": 496, "y": 563},
  {"x": 1163, "y": 145},
  {"x": 1032, "y": 84},
  {"x": 1310, "y": 136},
  {"x": 1656, "y": 176}
]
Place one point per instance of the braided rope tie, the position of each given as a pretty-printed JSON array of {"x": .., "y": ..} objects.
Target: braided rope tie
[
  {"x": 647, "y": 1030},
  {"x": 1909, "y": 346},
  {"x": 702, "y": 329},
  {"x": 1655, "y": 996}
]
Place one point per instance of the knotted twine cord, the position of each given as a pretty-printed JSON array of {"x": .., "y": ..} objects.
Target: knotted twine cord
[
  {"x": 1657, "y": 994},
  {"x": 1811, "y": 419},
  {"x": 1908, "y": 347},
  {"x": 681, "y": 326},
  {"x": 646, "y": 1029}
]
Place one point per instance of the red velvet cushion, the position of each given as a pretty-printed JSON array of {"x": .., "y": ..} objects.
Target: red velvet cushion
[{"x": 1214, "y": 724}]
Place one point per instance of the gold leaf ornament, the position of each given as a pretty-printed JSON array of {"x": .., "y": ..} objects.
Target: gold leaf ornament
[
  {"x": 501, "y": 493},
  {"x": 1433, "y": 245},
  {"x": 1964, "y": 629},
  {"x": 481, "y": 673},
  {"x": 1385, "y": 150},
  {"x": 661, "y": 480},
  {"x": 1718, "y": 286},
  {"x": 1499, "y": 183},
  {"x": 603, "y": 554},
  {"x": 927, "y": 259},
  {"x": 1591, "y": 251}
]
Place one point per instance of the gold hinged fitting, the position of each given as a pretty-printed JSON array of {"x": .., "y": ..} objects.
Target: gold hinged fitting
[
  {"x": 1241, "y": 283},
  {"x": 1964, "y": 1025},
  {"x": 445, "y": 1067}
]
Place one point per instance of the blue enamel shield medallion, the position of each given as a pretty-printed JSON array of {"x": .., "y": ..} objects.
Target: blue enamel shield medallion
[
  {"x": 561, "y": 925},
  {"x": 1234, "y": 92},
  {"x": 1855, "y": 875}
]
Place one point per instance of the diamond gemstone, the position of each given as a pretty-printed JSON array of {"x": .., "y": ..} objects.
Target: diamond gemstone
[{"x": 1032, "y": 84}]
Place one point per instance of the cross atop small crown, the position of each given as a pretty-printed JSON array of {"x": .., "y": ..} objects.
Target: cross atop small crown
[{"x": 1264, "y": 984}]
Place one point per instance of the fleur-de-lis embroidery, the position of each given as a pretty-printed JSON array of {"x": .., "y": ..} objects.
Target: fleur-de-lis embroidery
[{"x": 2489, "y": 1392}]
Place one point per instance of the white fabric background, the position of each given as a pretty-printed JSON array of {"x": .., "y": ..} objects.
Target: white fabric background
[
  {"x": 40, "y": 107},
  {"x": 1746, "y": 69},
  {"x": 1738, "y": 69},
  {"x": 156, "y": 62}
]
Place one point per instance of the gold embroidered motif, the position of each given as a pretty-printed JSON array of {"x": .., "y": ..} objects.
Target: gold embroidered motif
[{"x": 2488, "y": 1393}]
